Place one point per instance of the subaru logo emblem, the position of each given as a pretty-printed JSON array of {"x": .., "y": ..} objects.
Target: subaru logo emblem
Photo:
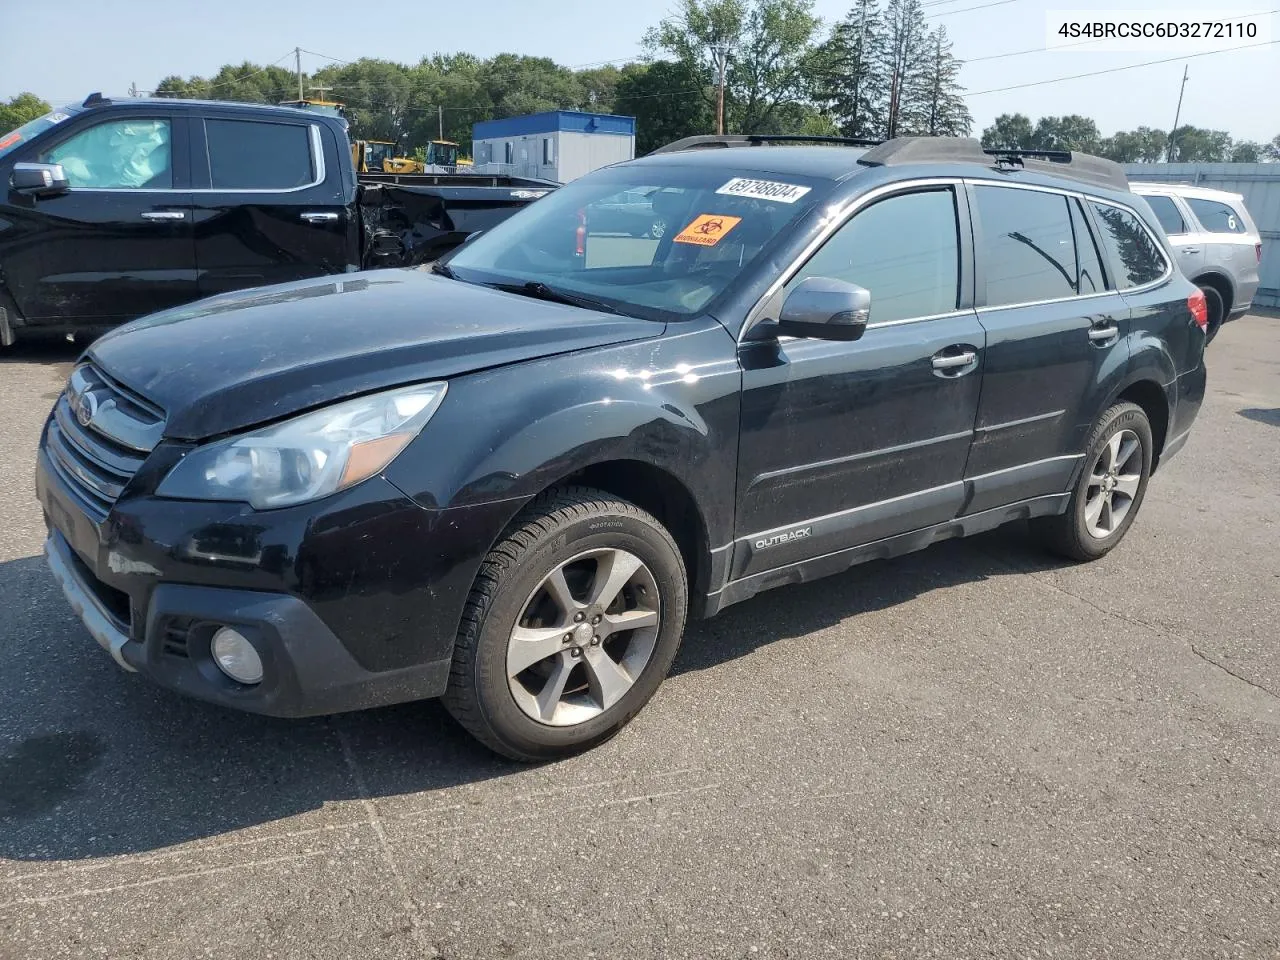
[{"x": 84, "y": 405}]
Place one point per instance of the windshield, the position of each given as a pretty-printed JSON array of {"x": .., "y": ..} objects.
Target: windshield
[
  {"x": 13, "y": 139},
  {"x": 657, "y": 241}
]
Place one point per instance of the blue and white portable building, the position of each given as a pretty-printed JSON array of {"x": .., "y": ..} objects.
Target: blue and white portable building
[{"x": 557, "y": 145}]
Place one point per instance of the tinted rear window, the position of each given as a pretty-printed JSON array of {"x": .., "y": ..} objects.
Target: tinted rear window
[
  {"x": 1167, "y": 213},
  {"x": 1130, "y": 246},
  {"x": 249, "y": 155},
  {"x": 1028, "y": 249},
  {"x": 1217, "y": 217}
]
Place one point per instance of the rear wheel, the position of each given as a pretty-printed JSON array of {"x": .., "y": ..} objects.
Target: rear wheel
[
  {"x": 1110, "y": 490},
  {"x": 1213, "y": 300},
  {"x": 572, "y": 624}
]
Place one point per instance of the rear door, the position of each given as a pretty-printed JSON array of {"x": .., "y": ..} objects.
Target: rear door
[
  {"x": 1181, "y": 229},
  {"x": 270, "y": 202},
  {"x": 119, "y": 243},
  {"x": 846, "y": 443},
  {"x": 1056, "y": 336}
]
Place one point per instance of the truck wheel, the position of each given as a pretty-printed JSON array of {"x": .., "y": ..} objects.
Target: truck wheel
[
  {"x": 571, "y": 625},
  {"x": 1117, "y": 466},
  {"x": 1213, "y": 299}
]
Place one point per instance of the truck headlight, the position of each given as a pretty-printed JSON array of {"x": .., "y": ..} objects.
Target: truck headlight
[{"x": 311, "y": 456}]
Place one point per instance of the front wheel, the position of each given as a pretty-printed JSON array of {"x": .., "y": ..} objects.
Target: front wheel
[
  {"x": 572, "y": 624},
  {"x": 1106, "y": 498}
]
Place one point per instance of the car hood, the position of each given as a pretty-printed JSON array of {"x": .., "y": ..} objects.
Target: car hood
[{"x": 242, "y": 359}]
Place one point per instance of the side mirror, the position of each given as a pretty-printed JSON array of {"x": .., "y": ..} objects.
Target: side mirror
[
  {"x": 825, "y": 309},
  {"x": 39, "y": 179}
]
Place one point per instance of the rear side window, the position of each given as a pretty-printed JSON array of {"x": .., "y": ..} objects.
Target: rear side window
[
  {"x": 1168, "y": 214},
  {"x": 1092, "y": 279},
  {"x": 1217, "y": 217},
  {"x": 1133, "y": 253},
  {"x": 903, "y": 249},
  {"x": 1028, "y": 248},
  {"x": 248, "y": 155}
]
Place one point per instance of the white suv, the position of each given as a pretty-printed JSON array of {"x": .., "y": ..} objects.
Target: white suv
[{"x": 1216, "y": 240}]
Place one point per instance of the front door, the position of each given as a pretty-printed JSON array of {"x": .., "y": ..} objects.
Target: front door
[
  {"x": 119, "y": 243},
  {"x": 1056, "y": 336},
  {"x": 847, "y": 443}
]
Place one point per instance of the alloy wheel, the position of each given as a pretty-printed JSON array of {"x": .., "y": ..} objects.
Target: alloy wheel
[
  {"x": 1113, "y": 484},
  {"x": 583, "y": 637}
]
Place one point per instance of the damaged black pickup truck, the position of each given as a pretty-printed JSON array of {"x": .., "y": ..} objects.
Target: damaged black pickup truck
[{"x": 115, "y": 209}]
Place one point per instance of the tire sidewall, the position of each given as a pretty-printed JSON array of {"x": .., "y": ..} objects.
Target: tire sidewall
[
  {"x": 1128, "y": 417},
  {"x": 1213, "y": 300},
  {"x": 621, "y": 531}
]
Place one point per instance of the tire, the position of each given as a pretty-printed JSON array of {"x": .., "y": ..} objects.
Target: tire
[
  {"x": 592, "y": 538},
  {"x": 1074, "y": 534},
  {"x": 1214, "y": 301}
]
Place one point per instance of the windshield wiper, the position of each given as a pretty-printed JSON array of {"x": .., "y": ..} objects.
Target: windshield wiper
[
  {"x": 540, "y": 291},
  {"x": 443, "y": 270}
]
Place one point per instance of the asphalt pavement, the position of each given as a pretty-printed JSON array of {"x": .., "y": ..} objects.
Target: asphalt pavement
[{"x": 973, "y": 751}]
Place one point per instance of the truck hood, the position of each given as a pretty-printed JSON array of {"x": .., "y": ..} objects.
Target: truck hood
[{"x": 242, "y": 359}]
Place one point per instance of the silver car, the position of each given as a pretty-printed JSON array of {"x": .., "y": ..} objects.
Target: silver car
[{"x": 1217, "y": 242}]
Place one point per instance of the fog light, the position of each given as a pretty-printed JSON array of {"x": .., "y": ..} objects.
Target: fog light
[{"x": 236, "y": 656}]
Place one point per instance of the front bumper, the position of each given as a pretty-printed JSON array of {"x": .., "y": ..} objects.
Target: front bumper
[
  {"x": 352, "y": 602},
  {"x": 307, "y": 670}
]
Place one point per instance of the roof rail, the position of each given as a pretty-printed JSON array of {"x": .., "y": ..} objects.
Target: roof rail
[
  {"x": 757, "y": 140},
  {"x": 1059, "y": 163},
  {"x": 95, "y": 100}
]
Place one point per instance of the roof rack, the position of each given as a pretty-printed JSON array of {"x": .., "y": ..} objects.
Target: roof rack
[
  {"x": 95, "y": 100},
  {"x": 1059, "y": 163},
  {"x": 757, "y": 140}
]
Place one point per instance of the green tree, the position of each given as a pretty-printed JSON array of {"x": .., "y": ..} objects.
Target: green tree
[
  {"x": 943, "y": 110},
  {"x": 1189, "y": 144},
  {"x": 905, "y": 66},
  {"x": 1011, "y": 131},
  {"x": 1246, "y": 151},
  {"x": 21, "y": 109},
  {"x": 769, "y": 47},
  {"x": 1072, "y": 132},
  {"x": 851, "y": 83},
  {"x": 668, "y": 100},
  {"x": 378, "y": 95},
  {"x": 1273, "y": 148}
]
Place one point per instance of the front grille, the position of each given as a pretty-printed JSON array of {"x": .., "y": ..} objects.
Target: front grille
[{"x": 98, "y": 437}]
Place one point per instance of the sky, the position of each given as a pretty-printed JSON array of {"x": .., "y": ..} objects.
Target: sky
[{"x": 64, "y": 51}]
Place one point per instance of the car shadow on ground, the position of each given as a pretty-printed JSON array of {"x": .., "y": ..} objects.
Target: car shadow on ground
[
  {"x": 1271, "y": 416},
  {"x": 95, "y": 762}
]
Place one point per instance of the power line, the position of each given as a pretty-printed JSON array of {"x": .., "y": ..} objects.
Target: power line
[
  {"x": 223, "y": 83},
  {"x": 1131, "y": 66},
  {"x": 983, "y": 6}
]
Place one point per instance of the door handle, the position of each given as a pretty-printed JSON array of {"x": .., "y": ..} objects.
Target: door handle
[
  {"x": 1190, "y": 249},
  {"x": 1099, "y": 334},
  {"x": 954, "y": 361},
  {"x": 313, "y": 217},
  {"x": 164, "y": 215}
]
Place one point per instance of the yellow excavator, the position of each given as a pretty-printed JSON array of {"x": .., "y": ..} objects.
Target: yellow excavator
[{"x": 379, "y": 156}]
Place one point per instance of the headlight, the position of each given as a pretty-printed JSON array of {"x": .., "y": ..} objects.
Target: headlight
[{"x": 310, "y": 456}]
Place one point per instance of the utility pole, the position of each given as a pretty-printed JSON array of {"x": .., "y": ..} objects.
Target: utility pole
[
  {"x": 441, "y": 113},
  {"x": 722, "y": 57},
  {"x": 1177, "y": 113},
  {"x": 297, "y": 59},
  {"x": 133, "y": 88},
  {"x": 316, "y": 88}
]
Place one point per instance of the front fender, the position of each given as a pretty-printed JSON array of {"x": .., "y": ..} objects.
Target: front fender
[{"x": 509, "y": 433}]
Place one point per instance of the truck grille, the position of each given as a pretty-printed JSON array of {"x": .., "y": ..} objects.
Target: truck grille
[{"x": 99, "y": 436}]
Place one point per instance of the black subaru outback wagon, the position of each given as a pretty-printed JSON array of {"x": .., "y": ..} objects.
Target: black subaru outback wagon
[{"x": 508, "y": 481}]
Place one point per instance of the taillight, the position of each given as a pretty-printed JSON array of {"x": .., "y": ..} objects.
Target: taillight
[
  {"x": 1257, "y": 248},
  {"x": 1199, "y": 308}
]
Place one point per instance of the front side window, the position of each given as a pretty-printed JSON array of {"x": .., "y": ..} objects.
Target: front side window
[
  {"x": 1167, "y": 212},
  {"x": 657, "y": 241},
  {"x": 249, "y": 155},
  {"x": 1130, "y": 246},
  {"x": 1217, "y": 217},
  {"x": 118, "y": 154},
  {"x": 1028, "y": 247},
  {"x": 903, "y": 249}
]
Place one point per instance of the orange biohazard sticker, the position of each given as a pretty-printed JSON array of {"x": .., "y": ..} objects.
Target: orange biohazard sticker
[{"x": 707, "y": 230}]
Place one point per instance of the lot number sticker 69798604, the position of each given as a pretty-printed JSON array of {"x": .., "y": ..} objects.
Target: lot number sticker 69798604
[{"x": 763, "y": 190}]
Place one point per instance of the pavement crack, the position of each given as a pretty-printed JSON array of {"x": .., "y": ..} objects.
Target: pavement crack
[
  {"x": 379, "y": 831},
  {"x": 1231, "y": 673}
]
